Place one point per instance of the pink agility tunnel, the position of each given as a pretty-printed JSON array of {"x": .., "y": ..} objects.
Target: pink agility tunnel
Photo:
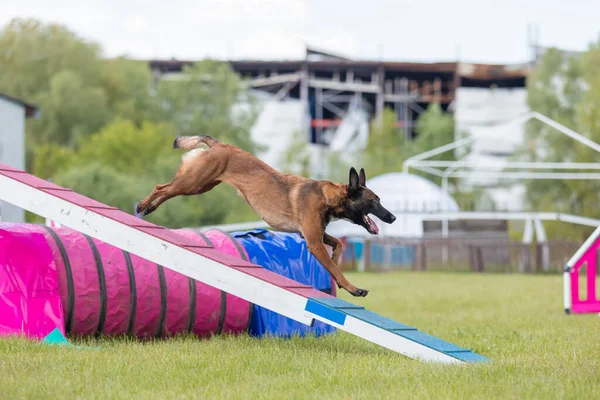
[
  {"x": 105, "y": 290},
  {"x": 30, "y": 301}
]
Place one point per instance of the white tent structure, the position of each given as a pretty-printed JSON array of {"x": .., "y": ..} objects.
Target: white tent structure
[
  {"x": 410, "y": 197},
  {"x": 470, "y": 168}
]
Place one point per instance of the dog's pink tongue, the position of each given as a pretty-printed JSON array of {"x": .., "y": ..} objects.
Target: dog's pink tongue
[{"x": 372, "y": 225}]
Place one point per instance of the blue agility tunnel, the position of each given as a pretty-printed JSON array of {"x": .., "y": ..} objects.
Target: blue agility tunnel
[{"x": 285, "y": 254}]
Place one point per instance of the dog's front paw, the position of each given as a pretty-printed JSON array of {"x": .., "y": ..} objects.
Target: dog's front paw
[{"x": 359, "y": 292}]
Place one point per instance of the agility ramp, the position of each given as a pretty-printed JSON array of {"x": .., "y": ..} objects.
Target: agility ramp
[
  {"x": 205, "y": 264},
  {"x": 585, "y": 257}
]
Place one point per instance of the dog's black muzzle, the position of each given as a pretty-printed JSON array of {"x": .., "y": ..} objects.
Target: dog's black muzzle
[{"x": 384, "y": 215}]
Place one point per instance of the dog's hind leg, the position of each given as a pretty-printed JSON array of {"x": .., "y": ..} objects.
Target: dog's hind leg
[
  {"x": 153, "y": 206},
  {"x": 144, "y": 205},
  {"x": 205, "y": 188},
  {"x": 196, "y": 174},
  {"x": 165, "y": 192}
]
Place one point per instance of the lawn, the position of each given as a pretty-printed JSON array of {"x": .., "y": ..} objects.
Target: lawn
[{"x": 536, "y": 351}]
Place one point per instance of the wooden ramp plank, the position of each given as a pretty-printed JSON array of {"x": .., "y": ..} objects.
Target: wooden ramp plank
[
  {"x": 272, "y": 277},
  {"x": 76, "y": 198}
]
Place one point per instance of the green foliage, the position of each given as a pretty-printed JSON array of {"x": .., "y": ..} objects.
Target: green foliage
[
  {"x": 31, "y": 53},
  {"x": 102, "y": 182},
  {"x": 71, "y": 110},
  {"x": 476, "y": 199},
  {"x": 122, "y": 163},
  {"x": 126, "y": 147},
  {"x": 566, "y": 89},
  {"x": 296, "y": 157},
  {"x": 296, "y": 160},
  {"x": 434, "y": 128},
  {"x": 104, "y": 133},
  {"x": 127, "y": 84},
  {"x": 77, "y": 91},
  {"x": 337, "y": 168},
  {"x": 51, "y": 159},
  {"x": 207, "y": 102},
  {"x": 53, "y": 68},
  {"x": 121, "y": 145},
  {"x": 387, "y": 147}
]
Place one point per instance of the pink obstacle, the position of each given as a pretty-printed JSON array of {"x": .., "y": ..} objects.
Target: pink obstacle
[
  {"x": 96, "y": 288},
  {"x": 30, "y": 300},
  {"x": 586, "y": 257}
]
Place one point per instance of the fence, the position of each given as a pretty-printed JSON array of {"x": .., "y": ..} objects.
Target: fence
[{"x": 456, "y": 255}]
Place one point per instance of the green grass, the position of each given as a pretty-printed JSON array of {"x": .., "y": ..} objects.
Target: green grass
[{"x": 517, "y": 321}]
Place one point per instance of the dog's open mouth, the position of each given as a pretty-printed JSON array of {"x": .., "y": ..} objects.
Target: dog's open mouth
[{"x": 371, "y": 226}]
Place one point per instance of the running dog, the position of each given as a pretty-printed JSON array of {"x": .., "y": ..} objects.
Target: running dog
[{"x": 286, "y": 202}]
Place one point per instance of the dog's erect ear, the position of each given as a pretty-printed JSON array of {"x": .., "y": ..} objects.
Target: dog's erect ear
[
  {"x": 354, "y": 179},
  {"x": 362, "y": 178}
]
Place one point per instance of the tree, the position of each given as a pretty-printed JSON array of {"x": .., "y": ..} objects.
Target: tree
[
  {"x": 296, "y": 157},
  {"x": 297, "y": 161},
  {"x": 122, "y": 163},
  {"x": 52, "y": 67},
  {"x": 434, "y": 128},
  {"x": 101, "y": 182},
  {"x": 566, "y": 89},
  {"x": 127, "y": 85},
  {"x": 51, "y": 159},
  {"x": 101, "y": 130},
  {"x": 77, "y": 90},
  {"x": 121, "y": 145},
  {"x": 71, "y": 110},
  {"x": 32, "y": 53},
  {"x": 337, "y": 168},
  {"x": 129, "y": 148},
  {"x": 561, "y": 88},
  {"x": 386, "y": 147},
  {"x": 208, "y": 101}
]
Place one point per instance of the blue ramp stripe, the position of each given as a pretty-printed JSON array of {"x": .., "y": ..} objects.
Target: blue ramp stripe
[
  {"x": 336, "y": 310},
  {"x": 467, "y": 356},
  {"x": 326, "y": 312},
  {"x": 378, "y": 320},
  {"x": 430, "y": 341},
  {"x": 335, "y": 303}
]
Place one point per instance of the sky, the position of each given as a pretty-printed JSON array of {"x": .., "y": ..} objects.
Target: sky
[{"x": 482, "y": 31}]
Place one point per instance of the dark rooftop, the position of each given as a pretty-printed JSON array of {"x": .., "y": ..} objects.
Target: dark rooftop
[{"x": 30, "y": 109}]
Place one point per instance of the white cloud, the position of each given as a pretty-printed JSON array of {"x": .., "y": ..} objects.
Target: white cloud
[
  {"x": 269, "y": 44},
  {"x": 137, "y": 24},
  {"x": 247, "y": 12},
  {"x": 485, "y": 31},
  {"x": 337, "y": 41}
]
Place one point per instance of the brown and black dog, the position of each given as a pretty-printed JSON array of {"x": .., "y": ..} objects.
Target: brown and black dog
[{"x": 286, "y": 202}]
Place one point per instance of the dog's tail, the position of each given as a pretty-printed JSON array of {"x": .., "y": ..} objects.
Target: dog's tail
[{"x": 194, "y": 142}]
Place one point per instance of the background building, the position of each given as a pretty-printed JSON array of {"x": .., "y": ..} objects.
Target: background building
[
  {"x": 13, "y": 113},
  {"x": 332, "y": 101}
]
